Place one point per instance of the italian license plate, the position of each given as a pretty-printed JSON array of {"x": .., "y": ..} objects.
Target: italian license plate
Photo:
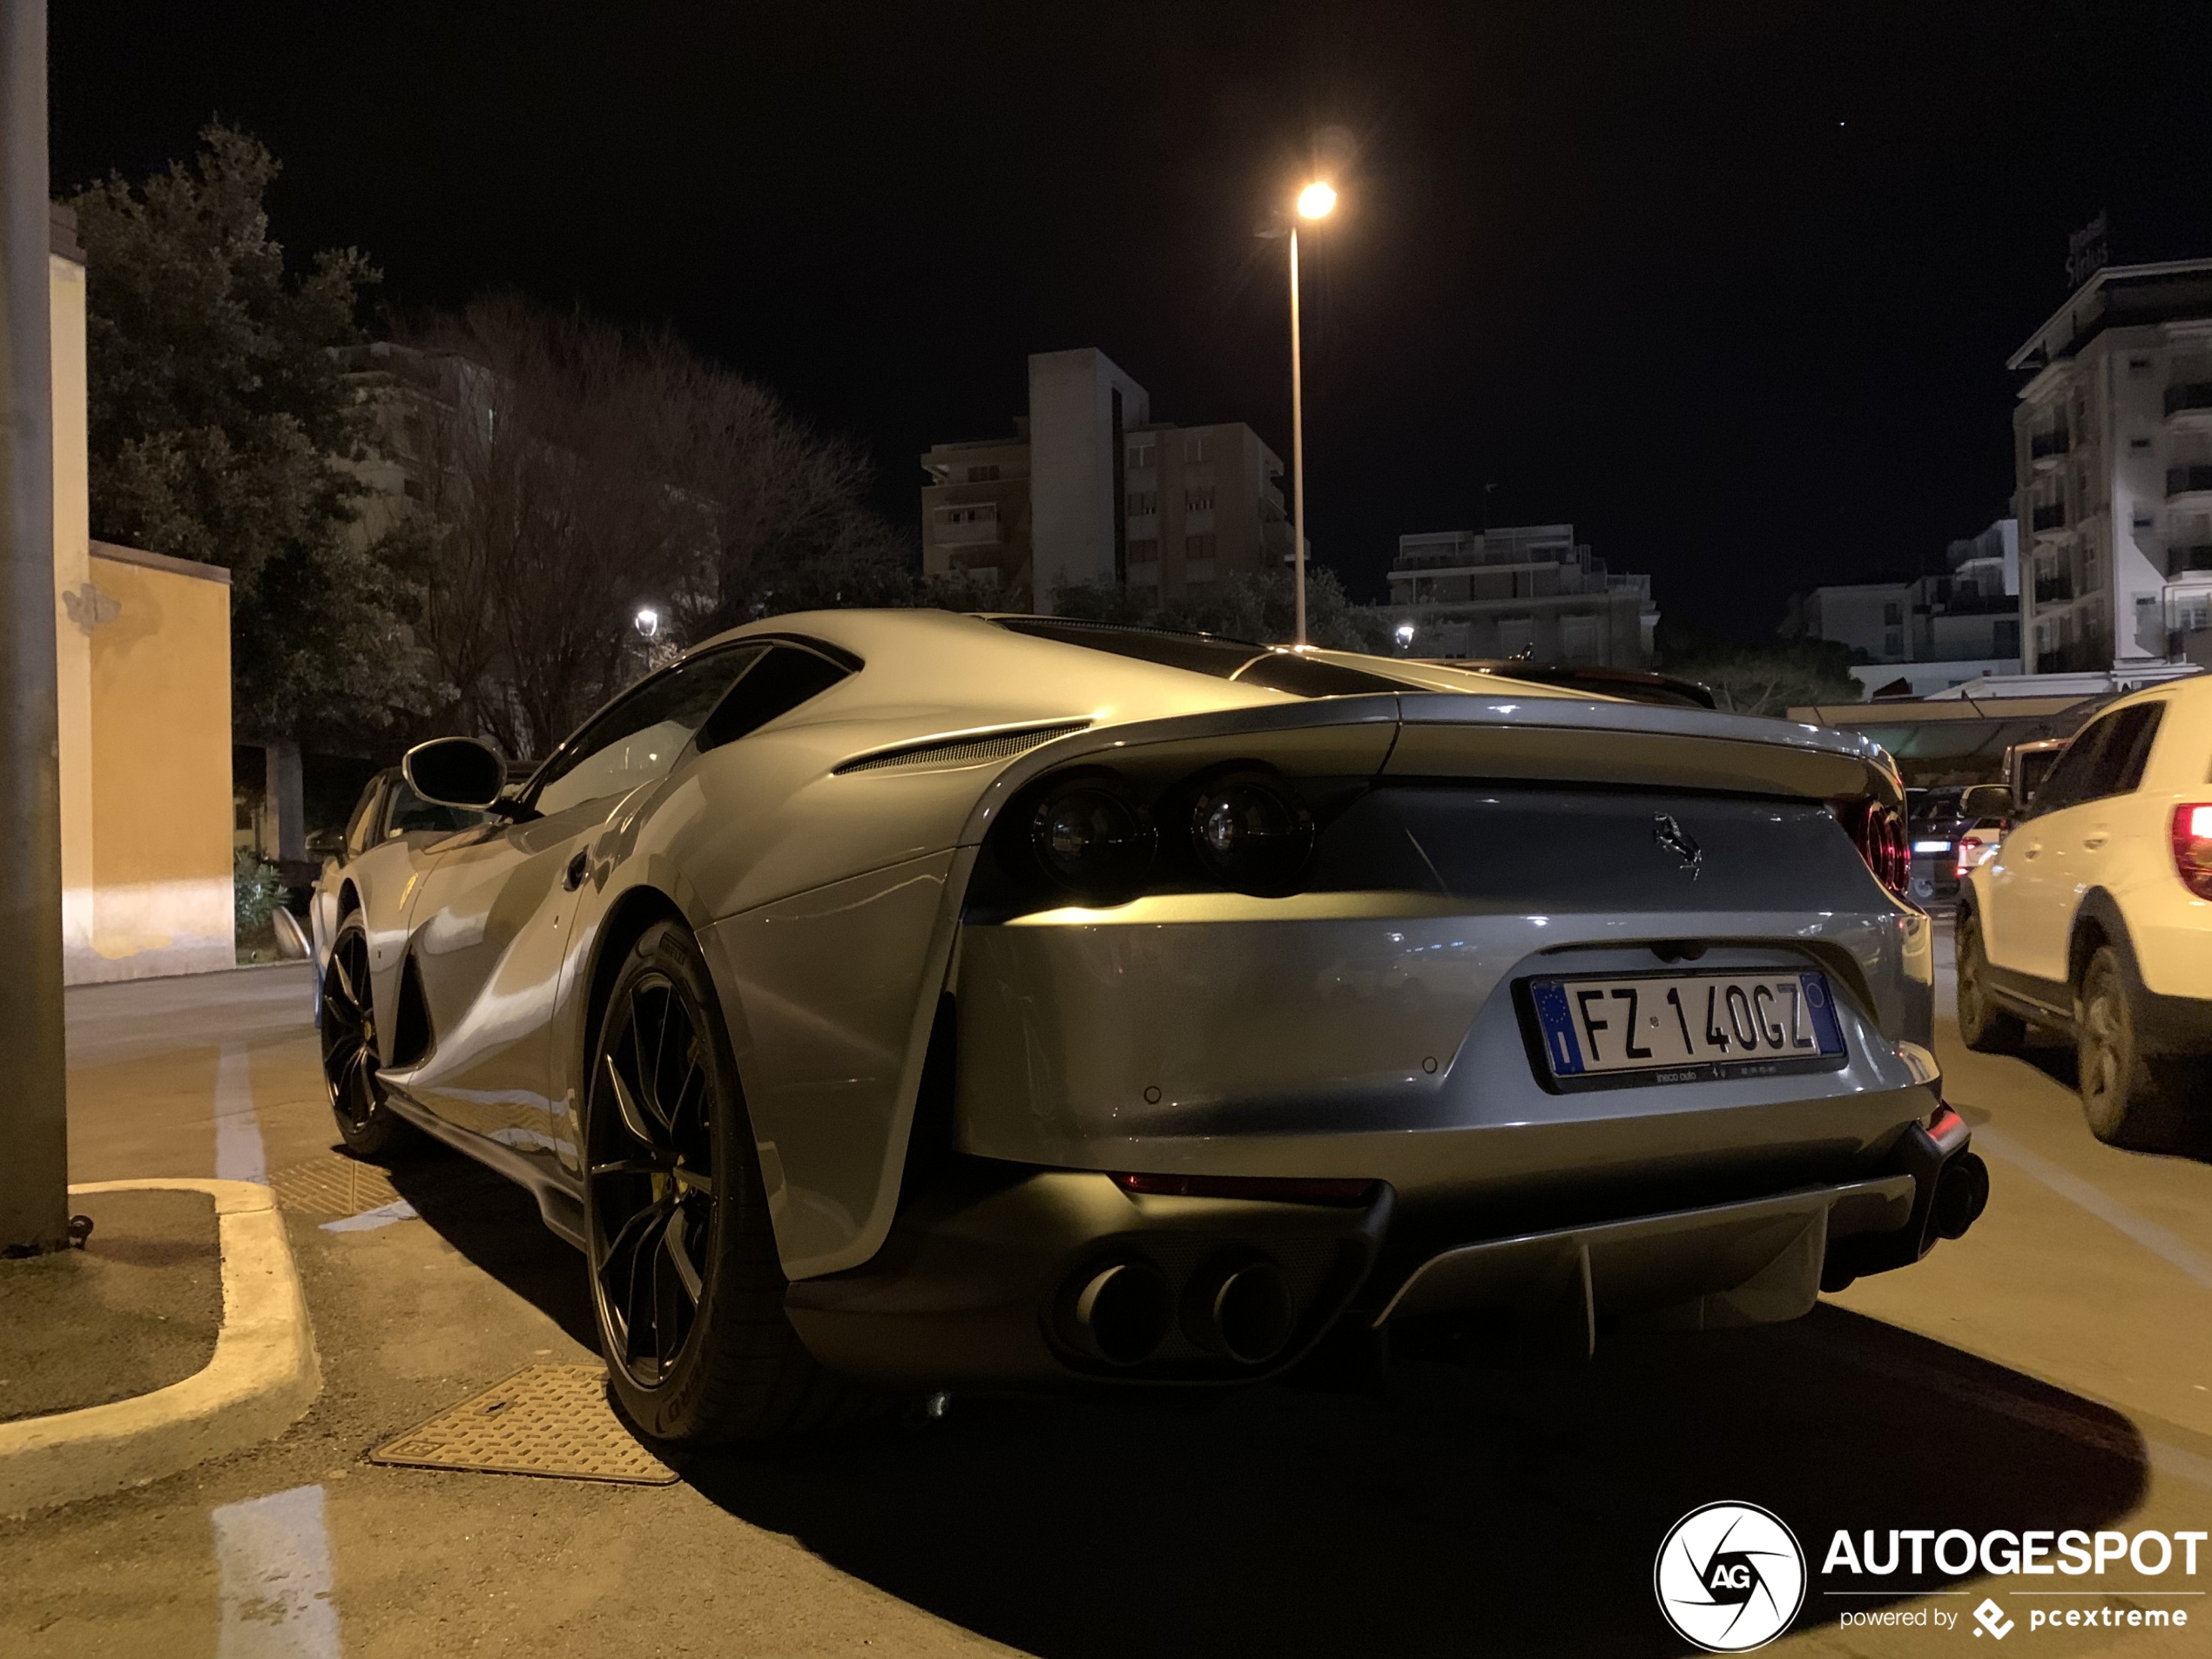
[{"x": 1682, "y": 1027}]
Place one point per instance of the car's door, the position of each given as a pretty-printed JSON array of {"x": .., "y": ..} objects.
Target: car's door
[
  {"x": 2048, "y": 862},
  {"x": 491, "y": 922}
]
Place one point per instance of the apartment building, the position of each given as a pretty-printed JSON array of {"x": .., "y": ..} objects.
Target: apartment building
[
  {"x": 1090, "y": 489},
  {"x": 2113, "y": 459},
  {"x": 1934, "y": 630},
  {"x": 1531, "y": 590}
]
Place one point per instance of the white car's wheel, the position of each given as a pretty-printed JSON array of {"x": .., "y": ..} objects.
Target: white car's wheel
[{"x": 2124, "y": 1095}]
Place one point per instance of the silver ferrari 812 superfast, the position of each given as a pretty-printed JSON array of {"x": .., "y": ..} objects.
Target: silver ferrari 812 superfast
[{"x": 931, "y": 1001}]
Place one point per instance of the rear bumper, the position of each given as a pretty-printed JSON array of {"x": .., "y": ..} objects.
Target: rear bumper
[{"x": 982, "y": 1285}]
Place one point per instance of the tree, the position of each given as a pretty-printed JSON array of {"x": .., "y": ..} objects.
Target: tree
[
  {"x": 220, "y": 412},
  {"x": 570, "y": 473},
  {"x": 1770, "y": 678},
  {"x": 1256, "y": 605}
]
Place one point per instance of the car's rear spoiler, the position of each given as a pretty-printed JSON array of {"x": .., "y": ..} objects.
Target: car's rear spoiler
[{"x": 1454, "y": 735}]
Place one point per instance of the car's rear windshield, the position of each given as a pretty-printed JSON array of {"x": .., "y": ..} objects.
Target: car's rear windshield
[
  {"x": 1224, "y": 659},
  {"x": 1936, "y": 806}
]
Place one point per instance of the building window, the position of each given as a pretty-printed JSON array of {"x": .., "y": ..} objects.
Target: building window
[
  {"x": 2138, "y": 445},
  {"x": 1146, "y": 551},
  {"x": 1142, "y": 502},
  {"x": 1892, "y": 616},
  {"x": 1197, "y": 501},
  {"x": 1143, "y": 453},
  {"x": 1199, "y": 547},
  {"x": 2139, "y": 367},
  {"x": 983, "y": 474},
  {"x": 1893, "y": 642},
  {"x": 1197, "y": 446}
]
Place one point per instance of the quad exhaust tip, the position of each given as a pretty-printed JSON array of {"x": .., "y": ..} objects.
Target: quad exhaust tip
[
  {"x": 1119, "y": 1313},
  {"x": 1239, "y": 1309}
]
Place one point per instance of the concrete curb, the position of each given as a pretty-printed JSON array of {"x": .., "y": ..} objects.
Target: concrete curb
[{"x": 262, "y": 1380}]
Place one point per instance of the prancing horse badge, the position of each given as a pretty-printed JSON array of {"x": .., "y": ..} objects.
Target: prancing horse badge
[{"x": 1670, "y": 833}]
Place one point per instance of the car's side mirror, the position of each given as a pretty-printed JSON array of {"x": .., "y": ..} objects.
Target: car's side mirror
[
  {"x": 454, "y": 772},
  {"x": 1986, "y": 800}
]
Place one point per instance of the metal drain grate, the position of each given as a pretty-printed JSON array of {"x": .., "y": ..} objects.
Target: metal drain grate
[
  {"x": 333, "y": 1186},
  {"x": 545, "y": 1420}
]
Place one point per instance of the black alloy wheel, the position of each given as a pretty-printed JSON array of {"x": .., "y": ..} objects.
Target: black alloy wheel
[
  {"x": 685, "y": 1281},
  {"x": 366, "y": 1122},
  {"x": 1983, "y": 1026},
  {"x": 652, "y": 1176}
]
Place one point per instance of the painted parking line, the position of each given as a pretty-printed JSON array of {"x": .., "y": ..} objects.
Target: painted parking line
[
  {"x": 273, "y": 1557},
  {"x": 383, "y": 1216},
  {"x": 238, "y": 1156},
  {"x": 2101, "y": 1205}
]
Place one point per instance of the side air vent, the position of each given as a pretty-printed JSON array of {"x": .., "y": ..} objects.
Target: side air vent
[
  {"x": 954, "y": 751},
  {"x": 411, "y": 1029}
]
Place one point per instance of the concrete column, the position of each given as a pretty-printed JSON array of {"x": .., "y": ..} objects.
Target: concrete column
[
  {"x": 34, "y": 1113},
  {"x": 288, "y": 799}
]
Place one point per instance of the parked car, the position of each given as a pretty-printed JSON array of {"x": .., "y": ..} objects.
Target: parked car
[
  {"x": 1935, "y": 820},
  {"x": 2095, "y": 917},
  {"x": 1986, "y": 811},
  {"x": 944, "y": 1001}
]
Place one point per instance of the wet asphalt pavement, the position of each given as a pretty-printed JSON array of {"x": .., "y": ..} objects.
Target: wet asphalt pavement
[{"x": 2052, "y": 1369}]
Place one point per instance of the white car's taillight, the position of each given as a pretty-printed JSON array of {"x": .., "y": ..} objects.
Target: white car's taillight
[
  {"x": 1972, "y": 851},
  {"x": 2193, "y": 847}
]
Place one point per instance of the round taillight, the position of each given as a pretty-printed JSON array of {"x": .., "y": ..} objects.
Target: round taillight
[
  {"x": 1251, "y": 835},
  {"x": 1879, "y": 835},
  {"x": 1091, "y": 839}
]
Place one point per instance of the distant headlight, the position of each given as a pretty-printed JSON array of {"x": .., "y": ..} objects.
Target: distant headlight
[
  {"x": 1091, "y": 839},
  {"x": 1251, "y": 835}
]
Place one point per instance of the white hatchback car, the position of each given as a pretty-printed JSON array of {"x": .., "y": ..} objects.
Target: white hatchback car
[{"x": 2094, "y": 916}]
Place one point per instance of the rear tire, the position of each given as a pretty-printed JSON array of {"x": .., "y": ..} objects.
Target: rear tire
[
  {"x": 1983, "y": 1026},
  {"x": 686, "y": 1286},
  {"x": 370, "y": 1128},
  {"x": 2127, "y": 1097}
]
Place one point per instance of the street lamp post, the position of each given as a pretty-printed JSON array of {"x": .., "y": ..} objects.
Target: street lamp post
[{"x": 1314, "y": 202}]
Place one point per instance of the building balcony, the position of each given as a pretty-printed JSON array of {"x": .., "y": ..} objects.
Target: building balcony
[
  {"x": 2047, "y": 449},
  {"x": 969, "y": 524},
  {"x": 2181, "y": 560},
  {"x": 2053, "y": 590},
  {"x": 2189, "y": 486},
  {"x": 2189, "y": 404},
  {"x": 2050, "y": 520}
]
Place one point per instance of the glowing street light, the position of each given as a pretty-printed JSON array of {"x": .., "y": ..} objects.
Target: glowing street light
[
  {"x": 1405, "y": 636},
  {"x": 647, "y": 621},
  {"x": 1315, "y": 200}
]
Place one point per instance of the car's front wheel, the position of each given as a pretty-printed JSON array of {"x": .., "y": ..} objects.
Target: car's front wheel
[
  {"x": 347, "y": 1019},
  {"x": 1983, "y": 1026},
  {"x": 2124, "y": 1094},
  {"x": 684, "y": 1275}
]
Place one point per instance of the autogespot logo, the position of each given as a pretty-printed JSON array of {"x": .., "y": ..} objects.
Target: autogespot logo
[{"x": 1729, "y": 1577}]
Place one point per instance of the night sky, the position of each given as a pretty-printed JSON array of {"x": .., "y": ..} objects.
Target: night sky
[{"x": 1729, "y": 287}]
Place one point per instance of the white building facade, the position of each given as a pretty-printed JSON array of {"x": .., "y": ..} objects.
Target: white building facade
[
  {"x": 2113, "y": 455},
  {"x": 1932, "y": 631},
  {"x": 1532, "y": 590}
]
